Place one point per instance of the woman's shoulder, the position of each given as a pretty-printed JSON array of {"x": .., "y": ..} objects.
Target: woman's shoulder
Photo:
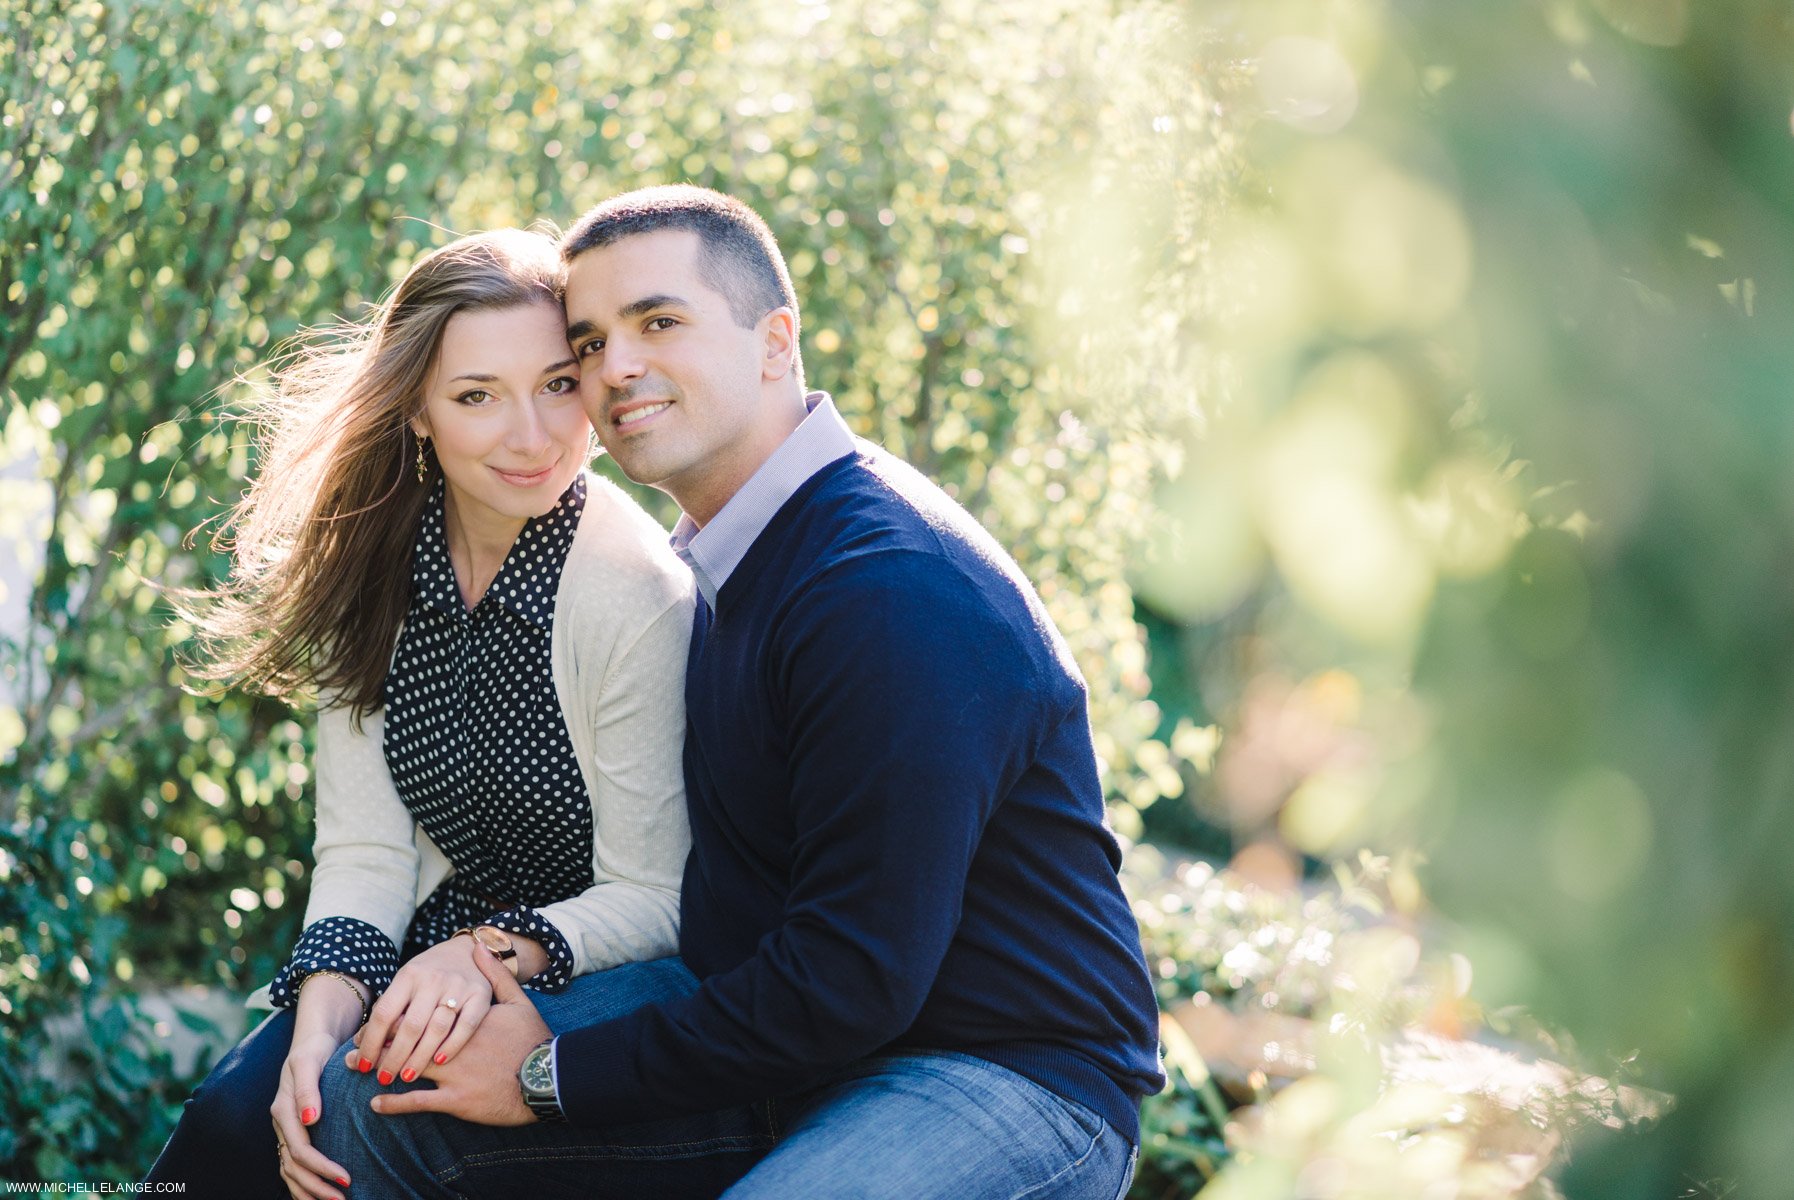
[{"x": 620, "y": 558}]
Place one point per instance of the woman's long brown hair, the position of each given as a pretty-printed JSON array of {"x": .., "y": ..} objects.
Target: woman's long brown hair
[{"x": 321, "y": 542}]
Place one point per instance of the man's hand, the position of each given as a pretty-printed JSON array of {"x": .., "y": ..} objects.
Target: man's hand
[
  {"x": 480, "y": 1084},
  {"x": 434, "y": 1006}
]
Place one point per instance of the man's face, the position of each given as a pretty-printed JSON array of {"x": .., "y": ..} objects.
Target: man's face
[{"x": 671, "y": 382}]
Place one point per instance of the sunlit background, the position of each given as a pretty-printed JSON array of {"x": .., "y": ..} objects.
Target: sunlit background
[{"x": 1392, "y": 402}]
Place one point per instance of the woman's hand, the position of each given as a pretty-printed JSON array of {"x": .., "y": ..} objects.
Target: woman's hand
[
  {"x": 435, "y": 1003},
  {"x": 327, "y": 1013}
]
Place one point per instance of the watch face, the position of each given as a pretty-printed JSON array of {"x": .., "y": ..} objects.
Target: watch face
[
  {"x": 536, "y": 1075},
  {"x": 495, "y": 940}
]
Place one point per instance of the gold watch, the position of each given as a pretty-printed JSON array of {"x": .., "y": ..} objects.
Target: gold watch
[{"x": 495, "y": 940}]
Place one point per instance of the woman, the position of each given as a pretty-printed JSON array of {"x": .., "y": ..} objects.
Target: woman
[{"x": 501, "y": 639}]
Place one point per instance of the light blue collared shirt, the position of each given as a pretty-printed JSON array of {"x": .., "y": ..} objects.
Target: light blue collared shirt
[{"x": 714, "y": 551}]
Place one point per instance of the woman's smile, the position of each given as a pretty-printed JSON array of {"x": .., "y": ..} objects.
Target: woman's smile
[{"x": 528, "y": 479}]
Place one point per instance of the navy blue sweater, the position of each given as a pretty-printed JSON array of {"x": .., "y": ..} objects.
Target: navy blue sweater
[{"x": 897, "y": 829}]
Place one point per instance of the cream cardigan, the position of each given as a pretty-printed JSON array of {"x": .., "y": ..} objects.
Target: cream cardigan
[{"x": 622, "y": 624}]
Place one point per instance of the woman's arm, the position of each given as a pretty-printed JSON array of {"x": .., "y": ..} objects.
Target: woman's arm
[
  {"x": 363, "y": 888},
  {"x": 330, "y": 1008},
  {"x": 627, "y": 694},
  {"x": 366, "y": 842}
]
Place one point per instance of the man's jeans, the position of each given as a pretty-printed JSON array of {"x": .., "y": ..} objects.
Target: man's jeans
[{"x": 917, "y": 1125}]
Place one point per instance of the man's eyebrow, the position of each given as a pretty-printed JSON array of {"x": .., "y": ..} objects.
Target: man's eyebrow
[{"x": 634, "y": 308}]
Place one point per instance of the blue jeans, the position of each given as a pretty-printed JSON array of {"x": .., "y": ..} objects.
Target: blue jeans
[
  {"x": 223, "y": 1146},
  {"x": 917, "y": 1125}
]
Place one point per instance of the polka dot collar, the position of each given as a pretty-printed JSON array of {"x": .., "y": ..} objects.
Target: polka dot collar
[{"x": 518, "y": 586}]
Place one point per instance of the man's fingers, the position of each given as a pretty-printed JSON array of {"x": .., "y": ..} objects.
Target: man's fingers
[
  {"x": 423, "y": 1099},
  {"x": 505, "y": 988}
]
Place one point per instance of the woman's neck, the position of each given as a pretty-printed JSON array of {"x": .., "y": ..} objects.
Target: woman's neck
[{"x": 478, "y": 542}]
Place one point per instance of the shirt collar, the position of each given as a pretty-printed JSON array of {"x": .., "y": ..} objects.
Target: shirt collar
[
  {"x": 714, "y": 551},
  {"x": 530, "y": 567}
]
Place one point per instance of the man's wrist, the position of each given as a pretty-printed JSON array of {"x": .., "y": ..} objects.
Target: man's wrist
[{"x": 538, "y": 1081}]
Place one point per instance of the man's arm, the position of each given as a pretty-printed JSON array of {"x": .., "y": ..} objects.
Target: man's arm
[{"x": 911, "y": 708}]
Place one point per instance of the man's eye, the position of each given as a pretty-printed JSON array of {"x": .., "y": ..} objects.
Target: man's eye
[
  {"x": 662, "y": 323},
  {"x": 591, "y": 347}
]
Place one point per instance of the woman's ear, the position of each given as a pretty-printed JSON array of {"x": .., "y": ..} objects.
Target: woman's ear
[
  {"x": 419, "y": 426},
  {"x": 780, "y": 344}
]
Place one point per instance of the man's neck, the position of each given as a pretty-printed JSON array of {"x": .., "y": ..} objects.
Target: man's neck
[{"x": 703, "y": 497}]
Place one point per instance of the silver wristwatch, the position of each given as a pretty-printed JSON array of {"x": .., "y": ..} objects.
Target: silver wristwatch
[{"x": 536, "y": 1079}]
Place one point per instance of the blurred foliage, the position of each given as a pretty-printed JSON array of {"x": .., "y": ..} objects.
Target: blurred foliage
[
  {"x": 1322, "y": 1042},
  {"x": 1481, "y": 532}
]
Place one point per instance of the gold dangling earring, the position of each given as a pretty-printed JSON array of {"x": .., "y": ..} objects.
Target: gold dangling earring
[{"x": 422, "y": 469}]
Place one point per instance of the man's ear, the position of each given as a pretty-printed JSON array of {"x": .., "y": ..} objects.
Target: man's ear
[{"x": 780, "y": 344}]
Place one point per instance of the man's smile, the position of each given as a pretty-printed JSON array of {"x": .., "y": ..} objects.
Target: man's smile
[{"x": 623, "y": 417}]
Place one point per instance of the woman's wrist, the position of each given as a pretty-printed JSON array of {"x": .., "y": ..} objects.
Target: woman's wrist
[
  {"x": 331, "y": 1002},
  {"x": 523, "y": 957},
  {"x": 531, "y": 958}
]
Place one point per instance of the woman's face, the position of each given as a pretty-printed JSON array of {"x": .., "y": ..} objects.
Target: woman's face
[{"x": 502, "y": 406}]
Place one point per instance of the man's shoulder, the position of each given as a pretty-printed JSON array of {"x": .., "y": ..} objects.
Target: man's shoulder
[
  {"x": 884, "y": 530},
  {"x": 877, "y": 501}
]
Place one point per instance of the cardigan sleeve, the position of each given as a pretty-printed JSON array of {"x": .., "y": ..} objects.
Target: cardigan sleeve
[
  {"x": 529, "y": 923},
  {"x": 630, "y": 701},
  {"x": 364, "y": 886}
]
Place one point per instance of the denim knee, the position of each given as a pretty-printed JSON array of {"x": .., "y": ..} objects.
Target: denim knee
[
  {"x": 223, "y": 1144},
  {"x": 344, "y": 1094}
]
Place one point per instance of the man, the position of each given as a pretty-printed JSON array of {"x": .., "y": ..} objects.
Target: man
[{"x": 901, "y": 900}]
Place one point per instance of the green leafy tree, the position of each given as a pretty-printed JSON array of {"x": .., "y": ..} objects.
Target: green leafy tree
[{"x": 185, "y": 186}]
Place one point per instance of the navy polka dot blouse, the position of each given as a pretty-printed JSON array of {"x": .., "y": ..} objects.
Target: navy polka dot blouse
[{"x": 479, "y": 751}]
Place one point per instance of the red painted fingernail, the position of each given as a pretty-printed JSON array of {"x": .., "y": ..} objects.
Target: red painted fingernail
[
  {"x": 308, "y": 1116},
  {"x": 341, "y": 1182},
  {"x": 441, "y": 1058},
  {"x": 365, "y": 1066},
  {"x": 386, "y": 1077},
  {"x": 407, "y": 1074}
]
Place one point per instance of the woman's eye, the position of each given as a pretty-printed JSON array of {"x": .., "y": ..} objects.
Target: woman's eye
[
  {"x": 477, "y": 396},
  {"x": 561, "y": 385}
]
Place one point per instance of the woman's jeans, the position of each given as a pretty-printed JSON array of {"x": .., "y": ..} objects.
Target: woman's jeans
[
  {"x": 224, "y": 1144},
  {"x": 914, "y": 1125}
]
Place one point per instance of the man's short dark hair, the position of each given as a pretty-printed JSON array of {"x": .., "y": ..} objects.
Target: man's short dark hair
[{"x": 737, "y": 255}]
